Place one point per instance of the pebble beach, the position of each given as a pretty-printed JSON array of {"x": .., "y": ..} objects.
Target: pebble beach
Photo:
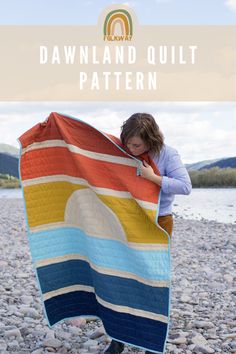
[{"x": 203, "y": 316}]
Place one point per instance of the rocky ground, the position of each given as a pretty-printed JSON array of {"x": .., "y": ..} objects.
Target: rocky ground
[{"x": 203, "y": 294}]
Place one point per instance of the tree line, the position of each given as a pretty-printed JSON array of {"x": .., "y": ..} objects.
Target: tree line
[
  {"x": 7, "y": 181},
  {"x": 213, "y": 177}
]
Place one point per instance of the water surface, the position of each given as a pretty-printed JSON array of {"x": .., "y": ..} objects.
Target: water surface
[{"x": 217, "y": 204}]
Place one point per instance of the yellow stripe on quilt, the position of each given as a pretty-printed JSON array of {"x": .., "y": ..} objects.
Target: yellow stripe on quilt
[
  {"x": 53, "y": 197},
  {"x": 61, "y": 205}
]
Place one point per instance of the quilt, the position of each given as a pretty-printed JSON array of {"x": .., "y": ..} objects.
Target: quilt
[{"x": 95, "y": 243}]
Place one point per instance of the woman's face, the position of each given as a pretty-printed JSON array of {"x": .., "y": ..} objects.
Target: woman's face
[{"x": 136, "y": 146}]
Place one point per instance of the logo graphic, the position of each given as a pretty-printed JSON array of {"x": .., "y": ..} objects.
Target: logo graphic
[{"x": 118, "y": 26}]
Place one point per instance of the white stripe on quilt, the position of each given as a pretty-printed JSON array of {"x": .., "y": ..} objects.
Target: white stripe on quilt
[
  {"x": 117, "y": 308},
  {"x": 102, "y": 270},
  {"x": 66, "y": 290},
  {"x": 77, "y": 150},
  {"x": 132, "y": 311}
]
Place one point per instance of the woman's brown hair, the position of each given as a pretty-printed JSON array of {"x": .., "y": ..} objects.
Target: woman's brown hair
[{"x": 144, "y": 126}]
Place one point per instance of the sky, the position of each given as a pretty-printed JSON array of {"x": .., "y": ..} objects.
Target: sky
[
  {"x": 148, "y": 12},
  {"x": 198, "y": 130}
]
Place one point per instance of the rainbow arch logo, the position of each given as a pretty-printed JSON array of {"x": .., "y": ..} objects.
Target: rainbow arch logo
[{"x": 118, "y": 26}]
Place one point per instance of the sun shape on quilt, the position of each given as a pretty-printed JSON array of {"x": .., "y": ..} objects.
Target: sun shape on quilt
[{"x": 86, "y": 211}]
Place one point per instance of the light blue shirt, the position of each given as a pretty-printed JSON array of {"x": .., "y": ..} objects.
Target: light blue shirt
[{"x": 175, "y": 178}]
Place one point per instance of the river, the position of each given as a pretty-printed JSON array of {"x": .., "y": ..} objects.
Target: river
[{"x": 217, "y": 204}]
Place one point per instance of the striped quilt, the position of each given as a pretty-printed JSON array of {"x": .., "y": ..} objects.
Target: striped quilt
[{"x": 96, "y": 247}]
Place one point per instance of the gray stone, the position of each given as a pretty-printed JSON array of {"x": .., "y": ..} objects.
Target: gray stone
[
  {"x": 170, "y": 347},
  {"x": 52, "y": 342},
  {"x": 3, "y": 346},
  {"x": 13, "y": 333},
  {"x": 49, "y": 333},
  {"x": 97, "y": 333},
  {"x": 89, "y": 343},
  {"x": 94, "y": 349},
  {"x": 185, "y": 298},
  {"x": 178, "y": 340},
  {"x": 38, "y": 333},
  {"x": 22, "y": 275},
  {"x": 198, "y": 339},
  {"x": 13, "y": 345},
  {"x": 203, "y": 324},
  {"x": 62, "y": 350},
  {"x": 78, "y": 322},
  {"x": 64, "y": 335},
  {"x": 75, "y": 331},
  {"x": 29, "y": 311},
  {"x": 102, "y": 339},
  {"x": 200, "y": 348},
  {"x": 211, "y": 333},
  {"x": 229, "y": 278},
  {"x": 26, "y": 299},
  {"x": 229, "y": 335},
  {"x": 191, "y": 347},
  {"x": 38, "y": 351},
  {"x": 50, "y": 350},
  {"x": 3, "y": 264}
]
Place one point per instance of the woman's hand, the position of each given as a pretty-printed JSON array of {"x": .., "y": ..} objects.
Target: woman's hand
[{"x": 148, "y": 173}]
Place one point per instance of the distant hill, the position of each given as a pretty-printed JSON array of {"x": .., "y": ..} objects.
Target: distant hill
[
  {"x": 9, "y": 160},
  {"x": 200, "y": 165},
  {"x": 9, "y": 164},
  {"x": 9, "y": 156},
  {"x": 9, "y": 149},
  {"x": 223, "y": 163}
]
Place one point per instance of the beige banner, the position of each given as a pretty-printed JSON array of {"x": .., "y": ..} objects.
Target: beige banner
[{"x": 142, "y": 62}]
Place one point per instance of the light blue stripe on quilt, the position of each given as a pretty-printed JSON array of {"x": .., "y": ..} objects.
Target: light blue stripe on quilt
[{"x": 153, "y": 265}]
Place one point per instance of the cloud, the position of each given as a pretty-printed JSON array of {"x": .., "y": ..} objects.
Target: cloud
[
  {"x": 231, "y": 4},
  {"x": 198, "y": 130},
  {"x": 163, "y": 1},
  {"x": 131, "y": 3},
  {"x": 198, "y": 137}
]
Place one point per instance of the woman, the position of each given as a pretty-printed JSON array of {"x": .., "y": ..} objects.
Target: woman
[{"x": 140, "y": 134}]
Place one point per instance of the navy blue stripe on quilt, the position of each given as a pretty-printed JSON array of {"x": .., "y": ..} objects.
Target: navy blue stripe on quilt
[
  {"x": 136, "y": 330},
  {"x": 113, "y": 289}
]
